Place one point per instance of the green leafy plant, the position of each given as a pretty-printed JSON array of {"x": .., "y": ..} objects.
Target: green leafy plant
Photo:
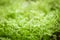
[{"x": 29, "y": 20}]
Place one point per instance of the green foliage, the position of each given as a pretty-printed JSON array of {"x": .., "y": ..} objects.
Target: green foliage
[{"x": 29, "y": 20}]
